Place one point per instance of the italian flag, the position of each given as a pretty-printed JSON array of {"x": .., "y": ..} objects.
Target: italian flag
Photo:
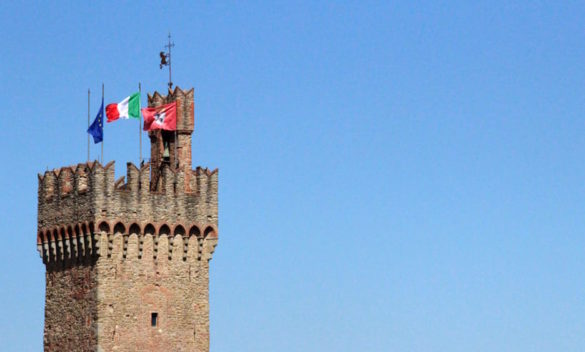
[{"x": 127, "y": 108}]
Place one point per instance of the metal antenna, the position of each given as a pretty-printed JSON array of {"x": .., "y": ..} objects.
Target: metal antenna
[{"x": 165, "y": 59}]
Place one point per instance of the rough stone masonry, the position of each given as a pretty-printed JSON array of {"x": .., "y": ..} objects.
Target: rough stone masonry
[{"x": 127, "y": 260}]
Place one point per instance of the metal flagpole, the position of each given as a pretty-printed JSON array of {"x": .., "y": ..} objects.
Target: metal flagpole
[
  {"x": 88, "y": 93},
  {"x": 140, "y": 130},
  {"x": 102, "y": 127}
]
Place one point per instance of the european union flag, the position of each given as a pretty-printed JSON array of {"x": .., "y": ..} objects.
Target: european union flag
[{"x": 97, "y": 127}]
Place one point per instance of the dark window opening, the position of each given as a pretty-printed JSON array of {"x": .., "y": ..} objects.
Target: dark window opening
[
  {"x": 154, "y": 319},
  {"x": 167, "y": 137}
]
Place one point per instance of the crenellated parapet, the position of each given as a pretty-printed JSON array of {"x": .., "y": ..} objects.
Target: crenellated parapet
[{"x": 78, "y": 205}]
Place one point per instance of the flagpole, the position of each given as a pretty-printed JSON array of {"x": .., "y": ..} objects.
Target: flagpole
[
  {"x": 102, "y": 127},
  {"x": 140, "y": 130},
  {"x": 88, "y": 93}
]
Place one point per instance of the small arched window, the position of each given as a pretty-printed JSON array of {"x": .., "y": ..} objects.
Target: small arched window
[
  {"x": 164, "y": 230},
  {"x": 119, "y": 228},
  {"x": 179, "y": 230},
  {"x": 149, "y": 230},
  {"x": 104, "y": 227},
  {"x": 194, "y": 231},
  {"x": 134, "y": 228}
]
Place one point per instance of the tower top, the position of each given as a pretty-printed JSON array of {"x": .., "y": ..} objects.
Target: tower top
[{"x": 172, "y": 148}]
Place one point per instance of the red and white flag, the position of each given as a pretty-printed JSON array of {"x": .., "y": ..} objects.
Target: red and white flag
[{"x": 162, "y": 117}]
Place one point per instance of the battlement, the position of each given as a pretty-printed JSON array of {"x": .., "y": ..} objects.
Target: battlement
[
  {"x": 89, "y": 193},
  {"x": 75, "y": 180}
]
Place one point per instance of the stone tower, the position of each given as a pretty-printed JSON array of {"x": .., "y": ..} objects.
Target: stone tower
[{"x": 127, "y": 260}]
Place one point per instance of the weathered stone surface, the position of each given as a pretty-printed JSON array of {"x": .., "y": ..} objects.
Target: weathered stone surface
[
  {"x": 71, "y": 308},
  {"x": 118, "y": 252}
]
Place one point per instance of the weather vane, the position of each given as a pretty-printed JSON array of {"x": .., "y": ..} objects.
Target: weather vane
[{"x": 165, "y": 59}]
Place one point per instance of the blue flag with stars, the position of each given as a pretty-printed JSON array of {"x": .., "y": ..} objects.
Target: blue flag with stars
[{"x": 97, "y": 127}]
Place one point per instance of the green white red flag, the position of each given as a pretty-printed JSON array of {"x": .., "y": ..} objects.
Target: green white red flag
[
  {"x": 162, "y": 117},
  {"x": 127, "y": 108}
]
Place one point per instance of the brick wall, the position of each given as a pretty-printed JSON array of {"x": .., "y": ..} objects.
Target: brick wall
[
  {"x": 71, "y": 309},
  {"x": 174, "y": 285}
]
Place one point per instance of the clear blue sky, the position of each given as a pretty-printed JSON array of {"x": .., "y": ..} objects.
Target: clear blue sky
[{"x": 404, "y": 176}]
